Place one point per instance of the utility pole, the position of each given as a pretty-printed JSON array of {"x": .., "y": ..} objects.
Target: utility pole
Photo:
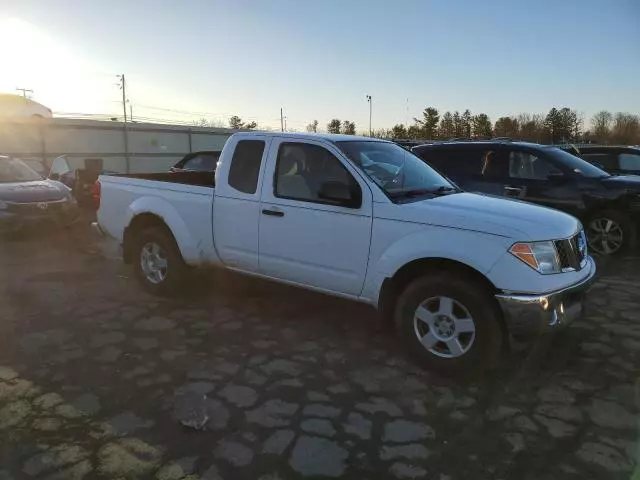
[
  {"x": 24, "y": 91},
  {"x": 130, "y": 112},
  {"x": 123, "y": 87},
  {"x": 281, "y": 121},
  {"x": 406, "y": 115},
  {"x": 285, "y": 124},
  {"x": 370, "y": 100}
]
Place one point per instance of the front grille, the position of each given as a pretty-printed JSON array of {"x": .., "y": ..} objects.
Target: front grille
[
  {"x": 570, "y": 254},
  {"x": 37, "y": 209}
]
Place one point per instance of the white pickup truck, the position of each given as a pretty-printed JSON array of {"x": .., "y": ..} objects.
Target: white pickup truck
[{"x": 460, "y": 274}]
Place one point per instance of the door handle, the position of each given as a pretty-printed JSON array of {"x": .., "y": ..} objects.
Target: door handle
[
  {"x": 272, "y": 213},
  {"x": 515, "y": 190}
]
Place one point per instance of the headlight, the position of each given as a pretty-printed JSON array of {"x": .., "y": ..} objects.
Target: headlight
[{"x": 541, "y": 256}]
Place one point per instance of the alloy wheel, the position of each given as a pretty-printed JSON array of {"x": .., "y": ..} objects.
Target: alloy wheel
[
  {"x": 153, "y": 262},
  {"x": 444, "y": 327},
  {"x": 605, "y": 236}
]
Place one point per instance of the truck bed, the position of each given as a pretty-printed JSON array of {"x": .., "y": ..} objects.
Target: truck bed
[{"x": 200, "y": 179}]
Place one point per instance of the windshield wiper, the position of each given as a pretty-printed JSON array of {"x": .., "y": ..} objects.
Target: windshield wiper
[{"x": 446, "y": 188}]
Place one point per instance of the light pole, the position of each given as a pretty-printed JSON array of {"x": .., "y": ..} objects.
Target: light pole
[{"x": 370, "y": 106}]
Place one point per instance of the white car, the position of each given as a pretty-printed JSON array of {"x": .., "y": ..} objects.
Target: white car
[
  {"x": 16, "y": 107},
  {"x": 459, "y": 273}
]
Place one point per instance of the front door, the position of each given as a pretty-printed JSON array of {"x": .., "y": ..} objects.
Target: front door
[
  {"x": 303, "y": 237},
  {"x": 536, "y": 179}
]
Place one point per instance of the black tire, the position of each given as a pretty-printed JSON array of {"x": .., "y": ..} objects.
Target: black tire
[
  {"x": 625, "y": 224},
  {"x": 176, "y": 270},
  {"x": 486, "y": 347}
]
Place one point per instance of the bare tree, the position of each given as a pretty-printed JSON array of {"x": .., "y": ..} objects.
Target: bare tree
[
  {"x": 506, "y": 127},
  {"x": 601, "y": 123},
  {"x": 626, "y": 128},
  {"x": 382, "y": 133},
  {"x": 203, "y": 122},
  {"x": 313, "y": 127}
]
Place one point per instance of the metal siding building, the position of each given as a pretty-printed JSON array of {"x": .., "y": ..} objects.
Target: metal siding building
[{"x": 150, "y": 147}]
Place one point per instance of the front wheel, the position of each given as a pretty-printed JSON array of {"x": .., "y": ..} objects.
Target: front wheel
[
  {"x": 158, "y": 264},
  {"x": 449, "y": 324},
  {"x": 609, "y": 232}
]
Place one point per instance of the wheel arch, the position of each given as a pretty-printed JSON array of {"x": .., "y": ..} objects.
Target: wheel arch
[
  {"x": 138, "y": 224},
  {"x": 394, "y": 285}
]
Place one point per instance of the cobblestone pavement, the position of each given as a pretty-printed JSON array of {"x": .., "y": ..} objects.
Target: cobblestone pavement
[{"x": 251, "y": 380}]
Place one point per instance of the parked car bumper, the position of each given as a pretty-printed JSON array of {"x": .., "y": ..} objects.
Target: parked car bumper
[
  {"x": 530, "y": 315},
  {"x": 38, "y": 216}
]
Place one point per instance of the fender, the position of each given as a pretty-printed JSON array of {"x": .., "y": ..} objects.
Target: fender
[
  {"x": 477, "y": 250},
  {"x": 167, "y": 212}
]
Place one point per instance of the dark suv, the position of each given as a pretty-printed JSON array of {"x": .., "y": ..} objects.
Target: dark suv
[
  {"x": 613, "y": 159},
  {"x": 608, "y": 206}
]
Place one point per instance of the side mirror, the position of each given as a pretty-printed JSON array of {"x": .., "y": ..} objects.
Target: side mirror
[
  {"x": 341, "y": 194},
  {"x": 54, "y": 176}
]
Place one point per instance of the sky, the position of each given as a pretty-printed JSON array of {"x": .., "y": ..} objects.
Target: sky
[{"x": 189, "y": 59}]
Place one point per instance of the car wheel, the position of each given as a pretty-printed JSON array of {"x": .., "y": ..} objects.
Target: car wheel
[
  {"x": 609, "y": 232},
  {"x": 449, "y": 324},
  {"x": 158, "y": 264}
]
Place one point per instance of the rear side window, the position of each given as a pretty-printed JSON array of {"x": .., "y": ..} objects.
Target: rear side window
[
  {"x": 607, "y": 160},
  {"x": 474, "y": 162},
  {"x": 202, "y": 162},
  {"x": 245, "y": 165},
  {"x": 629, "y": 161}
]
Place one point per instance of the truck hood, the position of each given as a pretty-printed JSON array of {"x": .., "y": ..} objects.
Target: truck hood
[
  {"x": 487, "y": 214},
  {"x": 36, "y": 191}
]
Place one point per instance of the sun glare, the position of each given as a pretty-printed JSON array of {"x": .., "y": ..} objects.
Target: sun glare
[{"x": 32, "y": 58}]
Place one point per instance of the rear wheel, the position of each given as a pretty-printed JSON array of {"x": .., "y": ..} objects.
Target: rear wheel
[
  {"x": 449, "y": 324},
  {"x": 158, "y": 264},
  {"x": 609, "y": 232}
]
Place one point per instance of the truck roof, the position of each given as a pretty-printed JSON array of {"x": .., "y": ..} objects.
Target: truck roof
[{"x": 331, "y": 137}]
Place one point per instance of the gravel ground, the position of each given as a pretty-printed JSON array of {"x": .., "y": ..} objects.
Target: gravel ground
[{"x": 251, "y": 380}]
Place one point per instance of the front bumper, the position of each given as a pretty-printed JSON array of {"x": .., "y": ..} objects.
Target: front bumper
[
  {"x": 34, "y": 217},
  {"x": 529, "y": 315}
]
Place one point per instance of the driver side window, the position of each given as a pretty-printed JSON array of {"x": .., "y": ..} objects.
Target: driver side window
[
  {"x": 525, "y": 165},
  {"x": 302, "y": 168}
]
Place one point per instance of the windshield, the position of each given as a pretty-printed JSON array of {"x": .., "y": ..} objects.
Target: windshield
[
  {"x": 15, "y": 170},
  {"x": 576, "y": 164},
  {"x": 394, "y": 169}
]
